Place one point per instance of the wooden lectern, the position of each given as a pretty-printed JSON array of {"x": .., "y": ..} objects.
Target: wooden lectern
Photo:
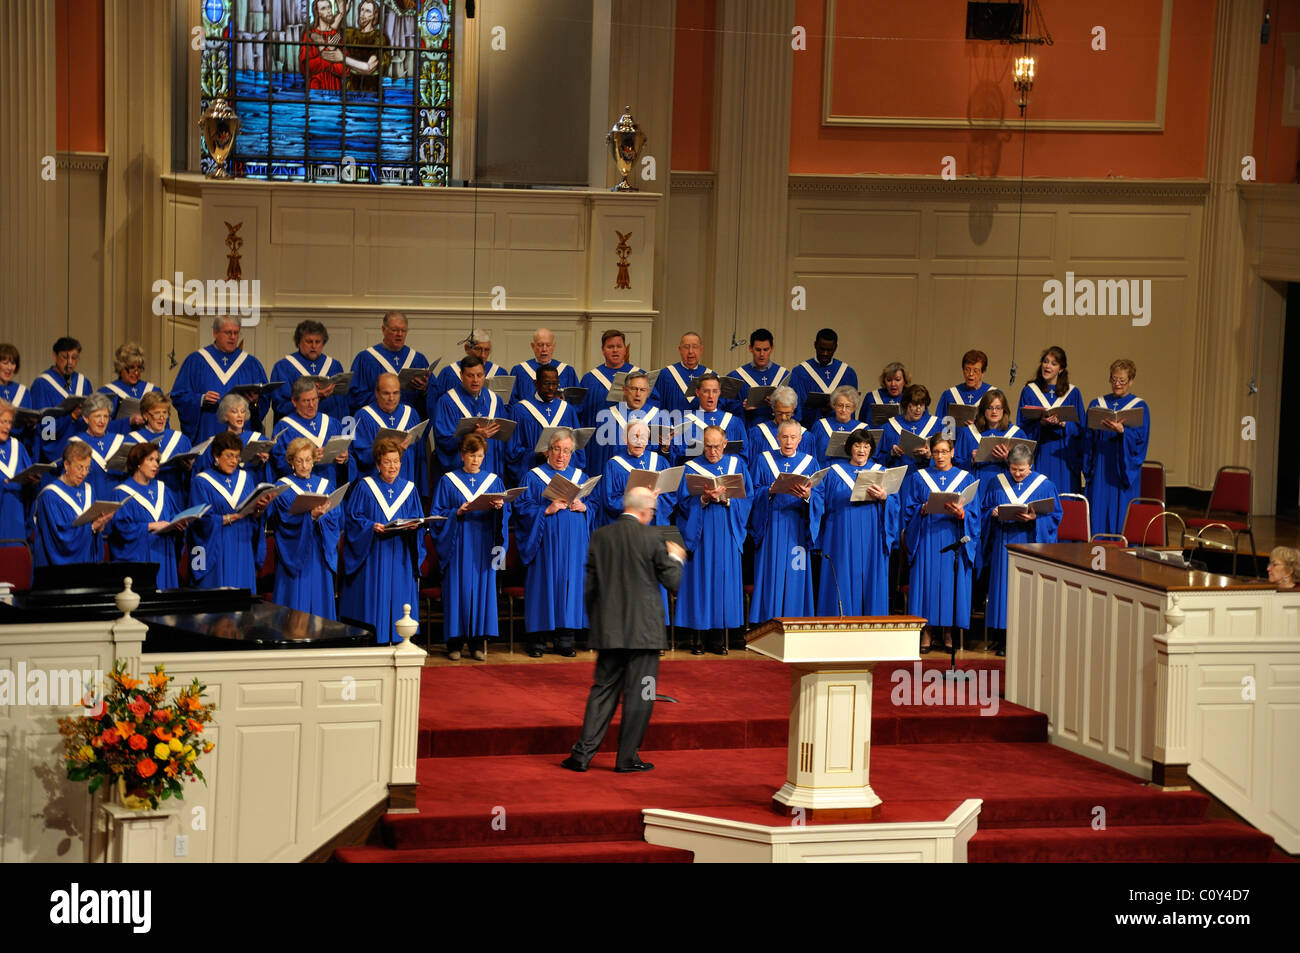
[{"x": 831, "y": 662}]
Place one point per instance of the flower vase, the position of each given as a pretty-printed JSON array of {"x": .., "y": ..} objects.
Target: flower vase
[{"x": 130, "y": 801}]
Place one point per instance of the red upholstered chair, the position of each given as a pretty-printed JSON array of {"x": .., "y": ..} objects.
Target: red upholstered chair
[
  {"x": 510, "y": 583},
  {"x": 1076, "y": 521},
  {"x": 266, "y": 572},
  {"x": 1144, "y": 524},
  {"x": 430, "y": 587},
  {"x": 1230, "y": 506},
  {"x": 16, "y": 564},
  {"x": 1110, "y": 539},
  {"x": 1152, "y": 482}
]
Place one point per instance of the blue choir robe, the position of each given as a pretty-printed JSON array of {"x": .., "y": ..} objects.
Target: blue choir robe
[
  {"x": 598, "y": 381},
  {"x": 783, "y": 584},
  {"x": 960, "y": 394},
  {"x": 376, "y": 360},
  {"x": 319, "y": 430},
  {"x": 118, "y": 390},
  {"x": 381, "y": 572},
  {"x": 449, "y": 377},
  {"x": 293, "y": 366},
  {"x": 927, "y": 426},
  {"x": 968, "y": 441},
  {"x": 306, "y": 549},
  {"x": 877, "y": 396},
  {"x": 468, "y": 547},
  {"x": 453, "y": 407},
  {"x": 229, "y": 555},
  {"x": 1112, "y": 462},
  {"x": 259, "y": 471},
  {"x": 102, "y": 449},
  {"x": 525, "y": 374},
  {"x": 762, "y": 437},
  {"x": 18, "y": 395},
  {"x": 51, "y": 433},
  {"x": 610, "y": 438},
  {"x": 857, "y": 539},
  {"x": 669, "y": 392},
  {"x": 690, "y": 443},
  {"x": 1059, "y": 453},
  {"x": 809, "y": 377},
  {"x": 13, "y": 507},
  {"x": 751, "y": 376},
  {"x": 821, "y": 437},
  {"x": 613, "y": 485},
  {"x": 129, "y": 539},
  {"x": 56, "y": 541},
  {"x": 531, "y": 418},
  {"x": 170, "y": 442},
  {"x": 554, "y": 552},
  {"x": 210, "y": 369},
  {"x": 996, "y": 535},
  {"x": 930, "y": 579},
  {"x": 711, "y": 593},
  {"x": 370, "y": 420}
]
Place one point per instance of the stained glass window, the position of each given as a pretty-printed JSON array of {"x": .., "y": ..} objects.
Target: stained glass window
[{"x": 333, "y": 90}]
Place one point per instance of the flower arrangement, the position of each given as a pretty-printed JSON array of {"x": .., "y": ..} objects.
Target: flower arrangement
[{"x": 136, "y": 739}]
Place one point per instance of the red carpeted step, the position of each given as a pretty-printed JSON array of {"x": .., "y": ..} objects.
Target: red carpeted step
[
  {"x": 610, "y": 852},
  {"x": 1208, "y": 842}
]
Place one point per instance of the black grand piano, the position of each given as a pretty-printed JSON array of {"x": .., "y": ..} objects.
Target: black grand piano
[{"x": 179, "y": 620}]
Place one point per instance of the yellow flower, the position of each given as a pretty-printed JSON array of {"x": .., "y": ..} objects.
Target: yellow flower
[
  {"x": 190, "y": 754},
  {"x": 175, "y": 744},
  {"x": 87, "y": 753},
  {"x": 161, "y": 751}
]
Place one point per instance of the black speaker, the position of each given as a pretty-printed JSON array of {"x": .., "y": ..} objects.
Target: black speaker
[{"x": 994, "y": 21}]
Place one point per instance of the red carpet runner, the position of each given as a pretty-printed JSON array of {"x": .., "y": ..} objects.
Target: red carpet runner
[{"x": 491, "y": 789}]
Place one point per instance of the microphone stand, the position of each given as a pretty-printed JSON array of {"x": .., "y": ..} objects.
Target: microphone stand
[
  {"x": 835, "y": 577},
  {"x": 955, "y": 549}
]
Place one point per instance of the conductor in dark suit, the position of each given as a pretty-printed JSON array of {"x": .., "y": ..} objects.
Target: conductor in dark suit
[{"x": 627, "y": 562}]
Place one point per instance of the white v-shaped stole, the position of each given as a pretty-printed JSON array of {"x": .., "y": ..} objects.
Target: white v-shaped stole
[
  {"x": 62, "y": 494},
  {"x": 386, "y": 364},
  {"x": 956, "y": 481},
  {"x": 1011, "y": 494},
  {"x": 153, "y": 509},
  {"x": 1042, "y": 399},
  {"x": 464, "y": 490},
  {"x": 223, "y": 375},
  {"x": 234, "y": 496},
  {"x": 388, "y": 510}
]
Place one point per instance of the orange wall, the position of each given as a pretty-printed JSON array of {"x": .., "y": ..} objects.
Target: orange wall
[
  {"x": 1277, "y": 147},
  {"x": 871, "y": 68},
  {"x": 79, "y": 68},
  {"x": 693, "y": 86}
]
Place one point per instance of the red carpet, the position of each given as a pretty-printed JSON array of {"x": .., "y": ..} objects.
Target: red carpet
[{"x": 491, "y": 789}]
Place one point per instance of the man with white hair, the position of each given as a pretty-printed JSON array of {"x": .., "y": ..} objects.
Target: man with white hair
[
  {"x": 209, "y": 374},
  {"x": 636, "y": 456},
  {"x": 762, "y": 436},
  {"x": 779, "y": 525},
  {"x": 525, "y": 372}
]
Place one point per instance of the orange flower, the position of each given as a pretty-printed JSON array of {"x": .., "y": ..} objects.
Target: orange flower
[
  {"x": 110, "y": 737},
  {"x": 126, "y": 681},
  {"x": 162, "y": 734},
  {"x": 125, "y": 728},
  {"x": 170, "y": 770},
  {"x": 146, "y": 768},
  {"x": 140, "y": 707},
  {"x": 193, "y": 726},
  {"x": 190, "y": 702},
  {"x": 163, "y": 715},
  {"x": 159, "y": 680},
  {"x": 138, "y": 742},
  {"x": 207, "y": 746}
]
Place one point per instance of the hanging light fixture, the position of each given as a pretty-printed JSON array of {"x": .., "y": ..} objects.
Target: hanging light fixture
[
  {"x": 1022, "y": 77},
  {"x": 1034, "y": 32}
]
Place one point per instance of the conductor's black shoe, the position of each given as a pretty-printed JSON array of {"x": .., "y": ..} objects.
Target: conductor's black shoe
[
  {"x": 634, "y": 766},
  {"x": 697, "y": 649},
  {"x": 534, "y": 651},
  {"x": 568, "y": 652},
  {"x": 573, "y": 764}
]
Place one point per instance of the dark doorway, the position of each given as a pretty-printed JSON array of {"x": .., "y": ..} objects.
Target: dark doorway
[{"x": 1288, "y": 450}]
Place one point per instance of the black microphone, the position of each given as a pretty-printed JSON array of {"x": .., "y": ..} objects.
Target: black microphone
[
  {"x": 834, "y": 576},
  {"x": 957, "y": 545}
]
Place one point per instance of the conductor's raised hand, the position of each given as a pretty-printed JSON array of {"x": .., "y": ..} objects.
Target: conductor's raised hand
[{"x": 675, "y": 549}]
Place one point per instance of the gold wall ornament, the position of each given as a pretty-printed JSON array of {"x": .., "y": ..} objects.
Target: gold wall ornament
[
  {"x": 623, "y": 249},
  {"x": 234, "y": 243},
  {"x": 626, "y": 140},
  {"x": 220, "y": 125}
]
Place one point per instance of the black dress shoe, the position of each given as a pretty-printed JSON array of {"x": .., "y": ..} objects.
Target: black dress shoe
[
  {"x": 534, "y": 651},
  {"x": 697, "y": 649},
  {"x": 925, "y": 650},
  {"x": 573, "y": 764},
  {"x": 634, "y": 766},
  {"x": 570, "y": 652}
]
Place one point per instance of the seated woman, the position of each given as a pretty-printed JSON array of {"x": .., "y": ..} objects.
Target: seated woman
[
  {"x": 136, "y": 533},
  {"x": 779, "y": 526},
  {"x": 13, "y": 460},
  {"x": 856, "y": 537},
  {"x": 156, "y": 409},
  {"x": 1284, "y": 567},
  {"x": 56, "y": 541},
  {"x": 226, "y": 546},
  {"x": 381, "y": 567},
  {"x": 306, "y": 544},
  {"x": 844, "y": 406},
  {"x": 1018, "y": 486},
  {"x": 894, "y": 379},
  {"x": 916, "y": 420},
  {"x": 1113, "y": 456},
  {"x": 95, "y": 415},
  {"x": 468, "y": 544},
  {"x": 991, "y": 420},
  {"x": 1058, "y": 452},
  {"x": 930, "y": 581},
  {"x": 233, "y": 412},
  {"x": 128, "y": 364}
]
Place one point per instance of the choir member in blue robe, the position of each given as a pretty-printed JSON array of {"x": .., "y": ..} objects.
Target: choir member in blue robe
[
  {"x": 992, "y": 419},
  {"x": 931, "y": 577},
  {"x": 821, "y": 374},
  {"x": 613, "y": 483},
  {"x": 103, "y": 445},
  {"x": 762, "y": 371},
  {"x": 1113, "y": 456},
  {"x": 1059, "y": 454},
  {"x": 209, "y": 374},
  {"x": 480, "y": 345},
  {"x": 387, "y": 412},
  {"x": 894, "y": 379},
  {"x": 56, "y": 541},
  {"x": 710, "y": 413},
  {"x": 552, "y": 538},
  {"x": 10, "y": 390},
  {"x": 232, "y": 412},
  {"x": 390, "y": 356},
  {"x": 52, "y": 387},
  {"x": 915, "y": 419},
  {"x": 468, "y": 544},
  {"x": 308, "y": 420},
  {"x": 612, "y": 421},
  {"x": 525, "y": 373},
  {"x": 13, "y": 460},
  {"x": 778, "y": 523},
  {"x": 857, "y": 538},
  {"x": 306, "y": 544},
  {"x": 128, "y": 364},
  {"x": 136, "y": 532},
  {"x": 973, "y": 386},
  {"x": 1018, "y": 485},
  {"x": 310, "y": 360},
  {"x": 671, "y": 385},
  {"x": 762, "y": 436},
  {"x": 226, "y": 546},
  {"x": 713, "y": 526},
  {"x": 532, "y": 416},
  {"x": 156, "y": 408},
  {"x": 598, "y": 380},
  {"x": 381, "y": 567},
  {"x": 471, "y": 398},
  {"x": 843, "y": 418}
]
